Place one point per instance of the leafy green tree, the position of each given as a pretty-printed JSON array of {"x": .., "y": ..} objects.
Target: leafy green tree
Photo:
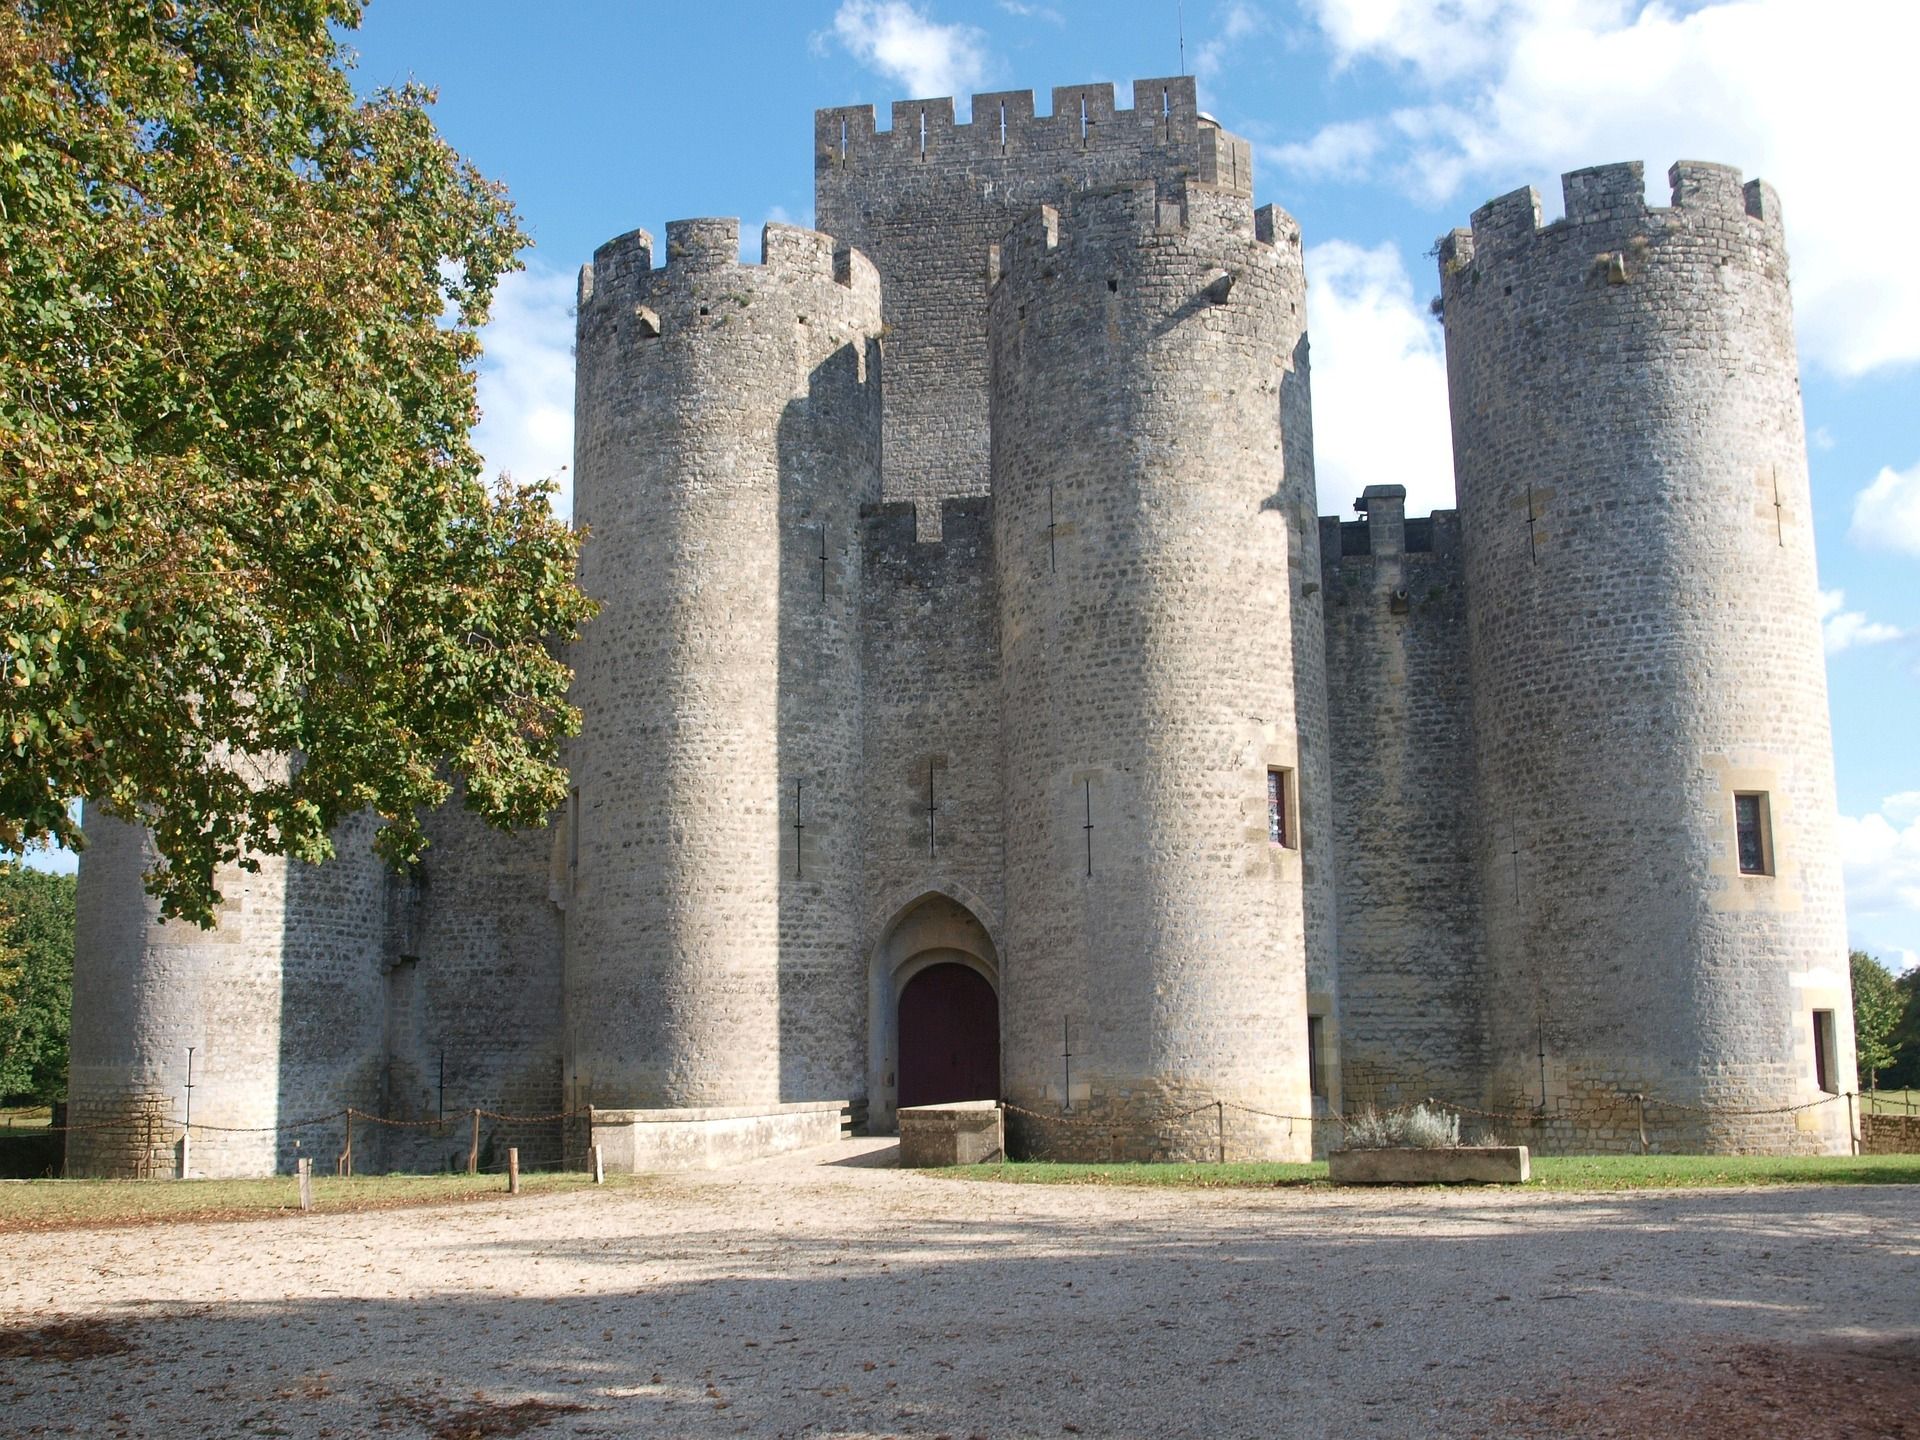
[
  {"x": 1877, "y": 1004},
  {"x": 36, "y": 983},
  {"x": 241, "y": 518},
  {"x": 1904, "y": 1072}
]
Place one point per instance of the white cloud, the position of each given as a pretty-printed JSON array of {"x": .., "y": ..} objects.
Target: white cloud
[
  {"x": 526, "y": 381},
  {"x": 1332, "y": 150},
  {"x": 1886, "y": 515},
  {"x": 1438, "y": 38},
  {"x": 1379, "y": 380},
  {"x": 1032, "y": 12},
  {"x": 1880, "y": 856},
  {"x": 1503, "y": 91},
  {"x": 1842, "y": 629},
  {"x": 1239, "y": 21},
  {"x": 900, "y": 41}
]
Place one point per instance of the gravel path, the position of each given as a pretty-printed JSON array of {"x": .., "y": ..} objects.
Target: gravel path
[{"x": 825, "y": 1295}]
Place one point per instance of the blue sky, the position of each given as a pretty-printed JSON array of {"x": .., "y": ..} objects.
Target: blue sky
[{"x": 1378, "y": 124}]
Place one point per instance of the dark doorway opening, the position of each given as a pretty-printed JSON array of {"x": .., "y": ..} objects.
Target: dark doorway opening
[{"x": 949, "y": 1037}]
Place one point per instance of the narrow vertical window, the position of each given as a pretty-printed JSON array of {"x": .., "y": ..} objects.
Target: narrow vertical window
[
  {"x": 573, "y": 837},
  {"x": 1823, "y": 1046},
  {"x": 1280, "y": 808},
  {"x": 1751, "y": 824},
  {"x": 1317, "y": 1056}
]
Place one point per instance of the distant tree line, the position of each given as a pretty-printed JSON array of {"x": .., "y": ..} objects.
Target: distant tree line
[
  {"x": 1886, "y": 1024},
  {"x": 36, "y": 984}
]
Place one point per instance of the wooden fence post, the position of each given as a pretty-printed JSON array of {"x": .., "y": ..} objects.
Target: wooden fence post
[
  {"x": 513, "y": 1170},
  {"x": 305, "y": 1168},
  {"x": 473, "y": 1149},
  {"x": 599, "y": 1167},
  {"x": 345, "y": 1166}
]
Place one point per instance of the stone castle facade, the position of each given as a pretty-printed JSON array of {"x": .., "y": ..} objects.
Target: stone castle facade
[{"x": 979, "y": 705}]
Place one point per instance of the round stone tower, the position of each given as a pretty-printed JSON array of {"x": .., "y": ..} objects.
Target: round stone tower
[
  {"x": 1141, "y": 343},
  {"x": 727, "y": 432},
  {"x": 281, "y": 1003},
  {"x": 1655, "y": 776}
]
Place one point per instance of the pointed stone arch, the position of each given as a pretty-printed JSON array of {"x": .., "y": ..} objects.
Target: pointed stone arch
[{"x": 935, "y": 927}]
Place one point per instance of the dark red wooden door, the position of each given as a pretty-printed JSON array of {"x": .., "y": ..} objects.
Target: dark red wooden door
[{"x": 949, "y": 1037}]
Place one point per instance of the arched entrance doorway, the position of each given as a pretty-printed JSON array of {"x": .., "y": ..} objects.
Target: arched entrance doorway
[
  {"x": 949, "y": 1036},
  {"x": 934, "y": 1011}
]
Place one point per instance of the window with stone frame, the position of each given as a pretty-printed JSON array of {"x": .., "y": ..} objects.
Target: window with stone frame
[
  {"x": 1317, "y": 1056},
  {"x": 1752, "y": 825},
  {"x": 1280, "y": 819},
  {"x": 1823, "y": 1050}
]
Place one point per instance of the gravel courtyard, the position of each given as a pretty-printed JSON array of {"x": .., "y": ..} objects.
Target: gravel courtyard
[{"x": 826, "y": 1294}]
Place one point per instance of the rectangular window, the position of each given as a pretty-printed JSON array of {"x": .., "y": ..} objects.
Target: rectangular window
[
  {"x": 1280, "y": 808},
  {"x": 1751, "y": 824},
  {"x": 1823, "y": 1046},
  {"x": 1316, "y": 1056}
]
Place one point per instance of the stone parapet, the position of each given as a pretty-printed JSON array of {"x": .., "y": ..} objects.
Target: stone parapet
[{"x": 636, "y": 1142}]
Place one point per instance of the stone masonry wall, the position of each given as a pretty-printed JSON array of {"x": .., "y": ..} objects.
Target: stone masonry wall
[
  {"x": 1412, "y": 964},
  {"x": 931, "y": 697},
  {"x": 1644, "y": 645},
  {"x": 1148, "y": 675},
  {"x": 473, "y": 994},
  {"x": 927, "y": 197},
  {"x": 728, "y": 427}
]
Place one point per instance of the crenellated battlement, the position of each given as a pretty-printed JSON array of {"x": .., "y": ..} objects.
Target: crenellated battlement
[
  {"x": 1100, "y": 218},
  {"x": 622, "y": 273},
  {"x": 1165, "y": 121},
  {"x": 893, "y": 533},
  {"x": 1005, "y": 122},
  {"x": 1614, "y": 196}
]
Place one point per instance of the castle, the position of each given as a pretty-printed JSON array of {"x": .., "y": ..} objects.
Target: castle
[{"x": 979, "y": 706}]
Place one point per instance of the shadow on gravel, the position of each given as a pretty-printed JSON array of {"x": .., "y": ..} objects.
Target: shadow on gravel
[
  {"x": 1164, "y": 1317},
  {"x": 887, "y": 1157}
]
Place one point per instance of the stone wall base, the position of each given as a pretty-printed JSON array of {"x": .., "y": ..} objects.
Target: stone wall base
[{"x": 635, "y": 1141}]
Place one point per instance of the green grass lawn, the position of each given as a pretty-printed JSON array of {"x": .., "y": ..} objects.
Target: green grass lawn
[
  {"x": 64, "y": 1204},
  {"x": 25, "y": 1117},
  {"x": 1595, "y": 1172},
  {"x": 1890, "y": 1102}
]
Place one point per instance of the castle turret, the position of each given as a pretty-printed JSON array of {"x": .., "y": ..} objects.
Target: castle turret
[
  {"x": 728, "y": 430},
  {"x": 280, "y": 1002},
  {"x": 1656, "y": 797},
  {"x": 1154, "y": 963},
  {"x": 927, "y": 196}
]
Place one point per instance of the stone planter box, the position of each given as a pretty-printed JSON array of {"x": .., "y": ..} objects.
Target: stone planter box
[
  {"x": 968, "y": 1132},
  {"x": 1461, "y": 1165}
]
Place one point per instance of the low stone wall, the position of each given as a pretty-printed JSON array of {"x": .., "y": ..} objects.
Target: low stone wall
[
  {"x": 1890, "y": 1134},
  {"x": 633, "y": 1141},
  {"x": 967, "y": 1132}
]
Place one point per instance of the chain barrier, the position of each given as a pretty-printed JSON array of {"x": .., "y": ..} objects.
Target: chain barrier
[
  {"x": 1631, "y": 1109},
  {"x": 169, "y": 1122}
]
